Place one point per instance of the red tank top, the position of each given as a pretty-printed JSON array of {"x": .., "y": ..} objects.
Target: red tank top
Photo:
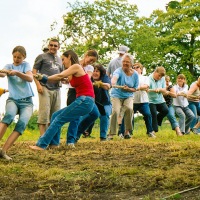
[{"x": 82, "y": 85}]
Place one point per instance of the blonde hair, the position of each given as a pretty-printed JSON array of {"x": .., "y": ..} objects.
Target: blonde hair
[
  {"x": 167, "y": 77},
  {"x": 160, "y": 70},
  {"x": 139, "y": 65}
]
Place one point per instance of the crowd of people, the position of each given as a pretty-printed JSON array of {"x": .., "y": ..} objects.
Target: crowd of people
[{"x": 113, "y": 96}]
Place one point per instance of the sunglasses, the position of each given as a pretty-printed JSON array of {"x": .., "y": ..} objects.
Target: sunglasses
[
  {"x": 136, "y": 67},
  {"x": 53, "y": 45}
]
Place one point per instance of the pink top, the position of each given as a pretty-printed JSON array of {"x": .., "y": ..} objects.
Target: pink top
[{"x": 82, "y": 85}]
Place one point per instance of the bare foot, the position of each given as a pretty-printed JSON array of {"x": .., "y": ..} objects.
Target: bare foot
[
  {"x": 179, "y": 134},
  {"x": 36, "y": 148}
]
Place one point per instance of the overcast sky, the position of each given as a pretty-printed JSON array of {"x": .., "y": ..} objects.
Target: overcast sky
[{"x": 27, "y": 23}]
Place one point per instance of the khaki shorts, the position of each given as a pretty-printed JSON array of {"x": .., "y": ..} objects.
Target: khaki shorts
[{"x": 49, "y": 102}]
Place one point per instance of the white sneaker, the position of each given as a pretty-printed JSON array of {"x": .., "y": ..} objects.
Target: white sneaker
[
  {"x": 4, "y": 155},
  {"x": 71, "y": 145},
  {"x": 121, "y": 136},
  {"x": 152, "y": 134}
]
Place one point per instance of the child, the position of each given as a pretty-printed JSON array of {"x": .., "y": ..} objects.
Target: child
[
  {"x": 20, "y": 97},
  {"x": 180, "y": 103}
]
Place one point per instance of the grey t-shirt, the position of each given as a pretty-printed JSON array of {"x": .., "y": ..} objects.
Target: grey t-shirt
[{"x": 49, "y": 64}]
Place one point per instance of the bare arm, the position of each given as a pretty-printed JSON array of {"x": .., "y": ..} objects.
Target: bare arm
[
  {"x": 28, "y": 76},
  {"x": 75, "y": 70},
  {"x": 114, "y": 80},
  {"x": 192, "y": 89}
]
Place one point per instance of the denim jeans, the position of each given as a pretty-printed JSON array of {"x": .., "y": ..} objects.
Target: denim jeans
[
  {"x": 72, "y": 131},
  {"x": 23, "y": 107},
  {"x": 86, "y": 121},
  {"x": 195, "y": 108},
  {"x": 144, "y": 109},
  {"x": 186, "y": 117},
  {"x": 158, "y": 112},
  {"x": 80, "y": 107},
  {"x": 172, "y": 118},
  {"x": 104, "y": 122}
]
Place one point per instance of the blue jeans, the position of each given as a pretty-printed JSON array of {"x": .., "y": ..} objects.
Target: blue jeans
[
  {"x": 23, "y": 107},
  {"x": 195, "y": 108},
  {"x": 144, "y": 109},
  {"x": 80, "y": 107},
  {"x": 72, "y": 131},
  {"x": 172, "y": 118},
  {"x": 86, "y": 121},
  {"x": 186, "y": 117},
  {"x": 158, "y": 112},
  {"x": 104, "y": 122}
]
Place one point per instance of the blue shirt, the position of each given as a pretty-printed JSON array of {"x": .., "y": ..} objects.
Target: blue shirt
[
  {"x": 131, "y": 81},
  {"x": 156, "y": 98},
  {"x": 19, "y": 88}
]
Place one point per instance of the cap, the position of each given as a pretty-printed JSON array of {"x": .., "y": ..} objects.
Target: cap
[{"x": 123, "y": 49}]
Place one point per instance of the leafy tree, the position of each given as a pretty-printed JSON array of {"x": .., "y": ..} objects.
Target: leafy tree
[
  {"x": 179, "y": 36},
  {"x": 170, "y": 38},
  {"x": 102, "y": 25}
]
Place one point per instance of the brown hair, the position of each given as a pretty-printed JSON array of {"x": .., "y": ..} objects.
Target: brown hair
[
  {"x": 92, "y": 53},
  {"x": 182, "y": 76},
  {"x": 20, "y": 49},
  {"x": 101, "y": 69},
  {"x": 54, "y": 40},
  {"x": 74, "y": 57}
]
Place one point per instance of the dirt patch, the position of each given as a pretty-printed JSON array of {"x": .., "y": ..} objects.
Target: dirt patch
[{"x": 115, "y": 170}]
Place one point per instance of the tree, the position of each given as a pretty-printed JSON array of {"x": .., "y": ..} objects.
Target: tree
[
  {"x": 170, "y": 38},
  {"x": 102, "y": 25},
  {"x": 179, "y": 36}
]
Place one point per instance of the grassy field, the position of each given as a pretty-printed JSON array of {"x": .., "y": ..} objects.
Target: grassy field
[{"x": 167, "y": 167}]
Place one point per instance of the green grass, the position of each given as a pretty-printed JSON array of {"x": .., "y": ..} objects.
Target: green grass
[{"x": 139, "y": 168}]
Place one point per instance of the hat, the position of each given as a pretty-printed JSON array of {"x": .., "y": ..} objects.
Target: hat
[{"x": 123, "y": 49}]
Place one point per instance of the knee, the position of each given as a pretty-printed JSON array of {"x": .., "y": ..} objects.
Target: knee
[
  {"x": 20, "y": 126},
  {"x": 8, "y": 118}
]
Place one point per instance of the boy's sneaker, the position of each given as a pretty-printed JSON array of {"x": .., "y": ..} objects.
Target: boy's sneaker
[
  {"x": 71, "y": 145},
  {"x": 127, "y": 136},
  {"x": 121, "y": 136},
  {"x": 151, "y": 134},
  {"x": 4, "y": 155}
]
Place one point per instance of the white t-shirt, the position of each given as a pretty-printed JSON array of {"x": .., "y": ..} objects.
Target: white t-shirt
[{"x": 141, "y": 96}]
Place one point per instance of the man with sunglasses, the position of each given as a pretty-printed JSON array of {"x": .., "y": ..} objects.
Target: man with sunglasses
[{"x": 49, "y": 94}]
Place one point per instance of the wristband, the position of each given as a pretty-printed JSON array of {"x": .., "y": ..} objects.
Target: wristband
[{"x": 44, "y": 79}]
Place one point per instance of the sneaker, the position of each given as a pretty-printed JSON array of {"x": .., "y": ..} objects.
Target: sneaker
[
  {"x": 195, "y": 131},
  {"x": 121, "y": 136},
  {"x": 151, "y": 134},
  {"x": 4, "y": 155},
  {"x": 71, "y": 145},
  {"x": 127, "y": 136}
]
